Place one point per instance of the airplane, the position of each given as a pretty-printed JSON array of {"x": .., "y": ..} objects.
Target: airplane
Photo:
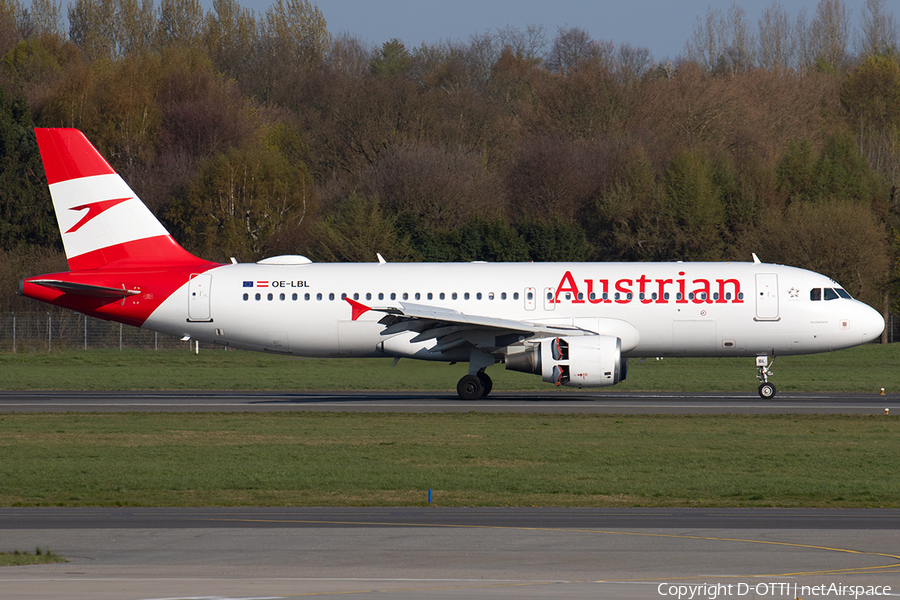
[{"x": 574, "y": 324}]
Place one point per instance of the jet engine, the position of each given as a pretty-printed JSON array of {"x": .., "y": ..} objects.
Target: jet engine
[{"x": 583, "y": 361}]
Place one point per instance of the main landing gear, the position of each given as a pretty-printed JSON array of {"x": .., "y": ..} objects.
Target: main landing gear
[
  {"x": 473, "y": 387},
  {"x": 476, "y": 384},
  {"x": 766, "y": 390}
]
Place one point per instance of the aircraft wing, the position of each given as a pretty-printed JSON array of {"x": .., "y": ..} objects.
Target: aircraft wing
[{"x": 452, "y": 328}]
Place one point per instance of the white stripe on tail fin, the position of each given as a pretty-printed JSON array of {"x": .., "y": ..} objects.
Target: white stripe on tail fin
[{"x": 102, "y": 221}]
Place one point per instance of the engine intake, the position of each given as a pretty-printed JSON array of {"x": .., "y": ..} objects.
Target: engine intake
[{"x": 583, "y": 361}]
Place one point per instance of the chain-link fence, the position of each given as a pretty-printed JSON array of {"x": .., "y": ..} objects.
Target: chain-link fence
[{"x": 49, "y": 331}]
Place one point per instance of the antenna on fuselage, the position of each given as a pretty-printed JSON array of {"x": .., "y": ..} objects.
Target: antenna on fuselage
[{"x": 755, "y": 258}]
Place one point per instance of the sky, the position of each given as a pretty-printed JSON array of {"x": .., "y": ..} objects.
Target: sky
[{"x": 663, "y": 26}]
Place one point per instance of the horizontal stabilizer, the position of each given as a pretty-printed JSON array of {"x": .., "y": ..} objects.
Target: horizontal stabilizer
[{"x": 84, "y": 289}]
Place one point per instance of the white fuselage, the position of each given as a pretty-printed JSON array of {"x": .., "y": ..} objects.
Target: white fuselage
[{"x": 657, "y": 309}]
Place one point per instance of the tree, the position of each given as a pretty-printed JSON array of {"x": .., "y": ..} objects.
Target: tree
[
  {"x": 296, "y": 32},
  {"x": 554, "y": 240},
  {"x": 878, "y": 35},
  {"x": 796, "y": 172},
  {"x": 722, "y": 42},
  {"x": 871, "y": 96},
  {"x": 93, "y": 27},
  {"x": 137, "y": 26},
  {"x": 692, "y": 212},
  {"x": 240, "y": 202},
  {"x": 230, "y": 33},
  {"x": 11, "y": 18},
  {"x": 438, "y": 187},
  {"x": 180, "y": 23},
  {"x": 45, "y": 19},
  {"x": 355, "y": 231},
  {"x": 393, "y": 60},
  {"x": 529, "y": 44},
  {"x": 571, "y": 47},
  {"x": 776, "y": 43},
  {"x": 829, "y": 33},
  {"x": 624, "y": 222},
  {"x": 349, "y": 56},
  {"x": 26, "y": 212},
  {"x": 491, "y": 240},
  {"x": 707, "y": 44},
  {"x": 835, "y": 237},
  {"x": 552, "y": 178}
]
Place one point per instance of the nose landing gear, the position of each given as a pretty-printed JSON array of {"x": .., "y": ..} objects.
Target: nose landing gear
[{"x": 766, "y": 390}]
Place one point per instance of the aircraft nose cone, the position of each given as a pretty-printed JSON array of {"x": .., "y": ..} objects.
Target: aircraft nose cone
[{"x": 872, "y": 323}]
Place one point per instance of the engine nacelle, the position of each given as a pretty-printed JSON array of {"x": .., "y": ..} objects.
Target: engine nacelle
[{"x": 583, "y": 361}]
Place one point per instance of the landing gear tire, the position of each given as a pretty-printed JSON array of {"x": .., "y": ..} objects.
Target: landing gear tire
[
  {"x": 470, "y": 387},
  {"x": 767, "y": 391},
  {"x": 486, "y": 383}
]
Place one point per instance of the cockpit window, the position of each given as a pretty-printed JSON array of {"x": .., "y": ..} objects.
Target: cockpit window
[{"x": 830, "y": 294}]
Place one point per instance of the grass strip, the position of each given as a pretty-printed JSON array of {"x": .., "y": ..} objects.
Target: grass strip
[
  {"x": 40, "y": 557},
  {"x": 343, "y": 459},
  {"x": 866, "y": 368}
]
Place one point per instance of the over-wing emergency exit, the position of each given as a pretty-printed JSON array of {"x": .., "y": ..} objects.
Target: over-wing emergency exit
[{"x": 574, "y": 324}]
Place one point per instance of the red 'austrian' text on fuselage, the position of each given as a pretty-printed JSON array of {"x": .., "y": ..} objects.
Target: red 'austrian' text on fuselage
[{"x": 650, "y": 291}]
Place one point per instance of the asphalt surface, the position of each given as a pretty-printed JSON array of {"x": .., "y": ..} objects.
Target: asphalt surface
[
  {"x": 450, "y": 553},
  {"x": 403, "y": 517},
  {"x": 519, "y": 402}
]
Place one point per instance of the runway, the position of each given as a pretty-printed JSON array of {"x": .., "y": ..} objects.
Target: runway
[
  {"x": 448, "y": 553},
  {"x": 518, "y": 402}
]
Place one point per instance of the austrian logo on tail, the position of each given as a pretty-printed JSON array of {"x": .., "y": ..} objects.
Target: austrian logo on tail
[{"x": 93, "y": 210}]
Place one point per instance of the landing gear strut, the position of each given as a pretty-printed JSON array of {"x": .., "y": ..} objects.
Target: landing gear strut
[{"x": 766, "y": 390}]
